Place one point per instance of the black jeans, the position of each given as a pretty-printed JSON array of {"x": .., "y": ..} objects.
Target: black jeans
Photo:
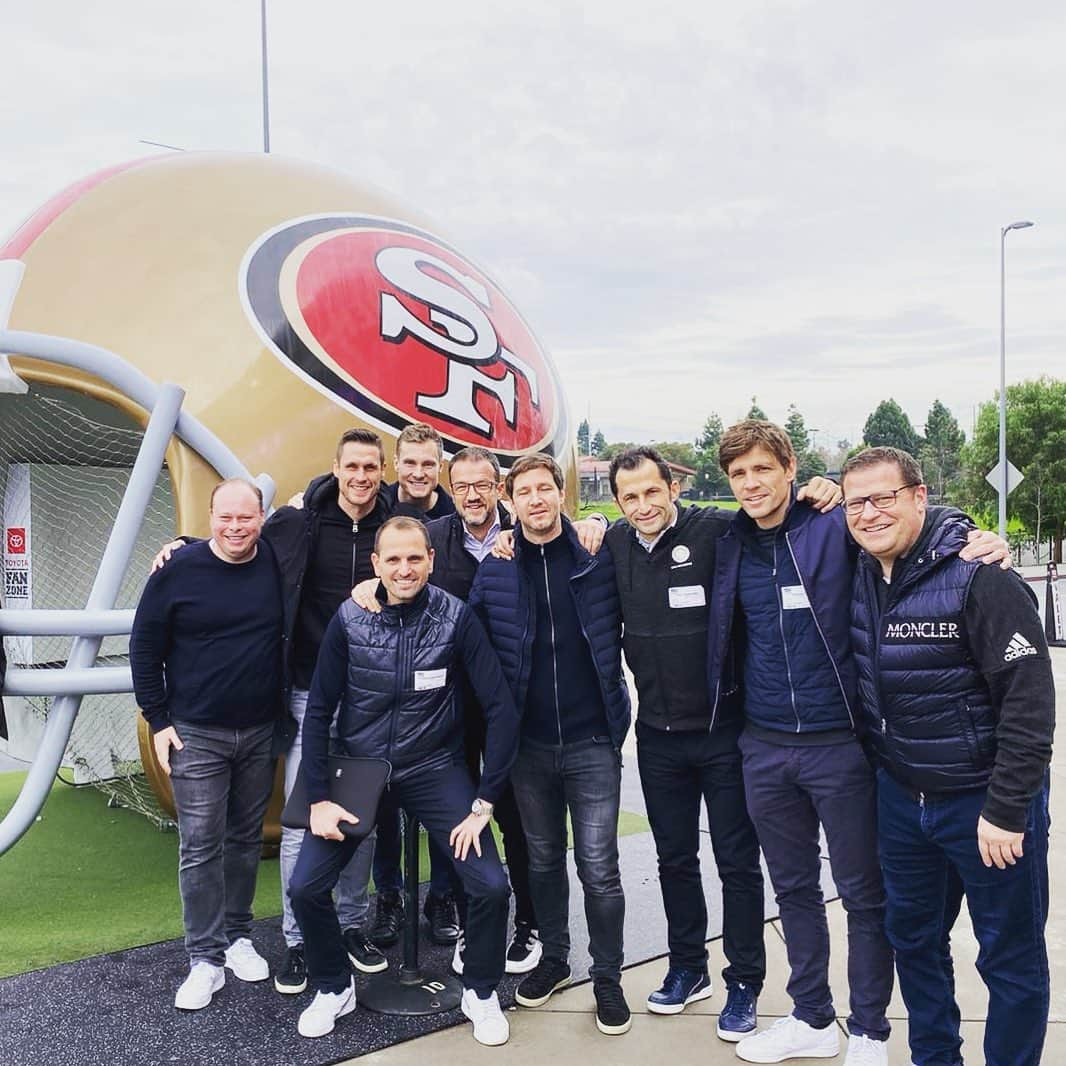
[
  {"x": 790, "y": 791},
  {"x": 680, "y": 772},
  {"x": 584, "y": 778},
  {"x": 222, "y": 780},
  {"x": 440, "y": 800}
]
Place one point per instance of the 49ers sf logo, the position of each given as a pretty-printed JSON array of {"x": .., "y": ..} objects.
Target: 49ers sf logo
[{"x": 399, "y": 327}]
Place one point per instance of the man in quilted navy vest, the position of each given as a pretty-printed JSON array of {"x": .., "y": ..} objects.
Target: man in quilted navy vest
[
  {"x": 554, "y": 618},
  {"x": 958, "y": 699},
  {"x": 393, "y": 675}
]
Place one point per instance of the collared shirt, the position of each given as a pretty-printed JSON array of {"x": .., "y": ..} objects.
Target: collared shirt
[
  {"x": 480, "y": 548},
  {"x": 647, "y": 544}
]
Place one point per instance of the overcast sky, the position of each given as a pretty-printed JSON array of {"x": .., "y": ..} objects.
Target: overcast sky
[{"x": 691, "y": 204}]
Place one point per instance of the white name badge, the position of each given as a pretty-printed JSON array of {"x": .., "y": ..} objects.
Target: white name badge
[
  {"x": 425, "y": 679},
  {"x": 688, "y": 596},
  {"x": 794, "y": 598}
]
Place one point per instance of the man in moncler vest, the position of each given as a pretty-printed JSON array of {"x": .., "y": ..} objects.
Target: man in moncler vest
[
  {"x": 957, "y": 694},
  {"x": 393, "y": 675}
]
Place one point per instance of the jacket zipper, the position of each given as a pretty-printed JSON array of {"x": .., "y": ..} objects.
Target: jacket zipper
[
  {"x": 784, "y": 642},
  {"x": 398, "y": 686},
  {"x": 355, "y": 530},
  {"x": 825, "y": 643},
  {"x": 555, "y": 661}
]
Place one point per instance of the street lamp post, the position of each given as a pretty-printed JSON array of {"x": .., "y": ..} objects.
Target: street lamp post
[{"x": 1003, "y": 373}]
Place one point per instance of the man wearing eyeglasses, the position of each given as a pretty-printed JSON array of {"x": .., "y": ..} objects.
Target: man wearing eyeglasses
[
  {"x": 780, "y": 601},
  {"x": 958, "y": 699}
]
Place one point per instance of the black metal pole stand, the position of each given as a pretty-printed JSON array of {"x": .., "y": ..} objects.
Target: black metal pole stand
[{"x": 413, "y": 990}]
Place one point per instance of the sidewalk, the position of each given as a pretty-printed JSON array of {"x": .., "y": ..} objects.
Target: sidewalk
[{"x": 563, "y": 1031}]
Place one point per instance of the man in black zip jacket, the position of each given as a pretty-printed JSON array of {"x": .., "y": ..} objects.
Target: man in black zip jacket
[
  {"x": 958, "y": 698},
  {"x": 552, "y": 614}
]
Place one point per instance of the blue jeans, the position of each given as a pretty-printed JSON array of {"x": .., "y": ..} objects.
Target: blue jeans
[
  {"x": 440, "y": 800},
  {"x": 925, "y": 847},
  {"x": 222, "y": 780},
  {"x": 584, "y": 778},
  {"x": 681, "y": 772},
  {"x": 388, "y": 872},
  {"x": 790, "y": 791},
  {"x": 352, "y": 891}
]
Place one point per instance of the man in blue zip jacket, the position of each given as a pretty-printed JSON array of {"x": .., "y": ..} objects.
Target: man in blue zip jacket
[
  {"x": 781, "y": 594},
  {"x": 393, "y": 675},
  {"x": 554, "y": 618},
  {"x": 958, "y": 698}
]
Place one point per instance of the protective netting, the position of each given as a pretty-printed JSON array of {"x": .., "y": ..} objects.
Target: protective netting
[{"x": 65, "y": 460}]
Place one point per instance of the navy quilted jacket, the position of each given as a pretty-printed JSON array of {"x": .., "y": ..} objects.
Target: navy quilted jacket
[{"x": 501, "y": 597}]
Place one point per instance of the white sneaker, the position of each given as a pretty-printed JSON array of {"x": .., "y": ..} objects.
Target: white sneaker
[
  {"x": 457, "y": 955},
  {"x": 862, "y": 1051},
  {"x": 790, "y": 1038},
  {"x": 245, "y": 962},
  {"x": 490, "y": 1026},
  {"x": 196, "y": 990},
  {"x": 325, "y": 1009}
]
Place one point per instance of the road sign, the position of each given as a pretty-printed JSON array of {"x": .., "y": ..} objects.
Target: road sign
[{"x": 1014, "y": 477}]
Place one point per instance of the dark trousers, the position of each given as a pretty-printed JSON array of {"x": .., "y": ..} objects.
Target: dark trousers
[
  {"x": 222, "y": 780},
  {"x": 790, "y": 791},
  {"x": 440, "y": 800},
  {"x": 585, "y": 779},
  {"x": 925, "y": 847},
  {"x": 505, "y": 811},
  {"x": 388, "y": 872},
  {"x": 679, "y": 773}
]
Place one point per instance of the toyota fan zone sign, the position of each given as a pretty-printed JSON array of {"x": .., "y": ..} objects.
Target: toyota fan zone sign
[{"x": 398, "y": 326}]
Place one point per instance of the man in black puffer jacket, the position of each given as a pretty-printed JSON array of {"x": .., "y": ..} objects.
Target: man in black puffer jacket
[
  {"x": 394, "y": 676},
  {"x": 958, "y": 700}
]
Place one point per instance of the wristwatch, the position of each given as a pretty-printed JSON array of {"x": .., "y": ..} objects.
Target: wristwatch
[{"x": 480, "y": 806}]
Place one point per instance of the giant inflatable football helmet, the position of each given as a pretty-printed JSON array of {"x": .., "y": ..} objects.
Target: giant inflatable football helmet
[{"x": 284, "y": 303}]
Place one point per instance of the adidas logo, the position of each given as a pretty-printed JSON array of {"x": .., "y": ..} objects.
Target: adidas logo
[{"x": 1018, "y": 648}]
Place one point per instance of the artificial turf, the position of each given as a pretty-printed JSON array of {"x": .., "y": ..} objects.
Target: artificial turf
[{"x": 88, "y": 879}]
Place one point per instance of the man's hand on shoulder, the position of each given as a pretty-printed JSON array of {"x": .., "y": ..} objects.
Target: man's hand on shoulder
[
  {"x": 998, "y": 846},
  {"x": 821, "y": 493},
  {"x": 591, "y": 531},
  {"x": 296, "y": 500},
  {"x": 365, "y": 595},
  {"x": 326, "y": 817},
  {"x": 162, "y": 556},
  {"x": 503, "y": 548},
  {"x": 984, "y": 546}
]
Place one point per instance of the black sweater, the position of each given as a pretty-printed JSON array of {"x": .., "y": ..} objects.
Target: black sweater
[{"x": 206, "y": 642}]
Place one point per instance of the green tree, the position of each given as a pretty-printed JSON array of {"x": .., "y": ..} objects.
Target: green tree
[
  {"x": 889, "y": 426},
  {"x": 583, "y": 437},
  {"x": 677, "y": 451},
  {"x": 808, "y": 461},
  {"x": 1036, "y": 445},
  {"x": 710, "y": 480},
  {"x": 599, "y": 442},
  {"x": 941, "y": 452},
  {"x": 755, "y": 411}
]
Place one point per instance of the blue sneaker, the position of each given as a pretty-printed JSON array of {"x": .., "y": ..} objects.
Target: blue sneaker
[
  {"x": 737, "y": 1019},
  {"x": 679, "y": 989}
]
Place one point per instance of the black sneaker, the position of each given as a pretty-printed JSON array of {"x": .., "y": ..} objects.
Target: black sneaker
[
  {"x": 612, "y": 1011},
  {"x": 292, "y": 979},
  {"x": 443, "y": 922},
  {"x": 364, "y": 955},
  {"x": 549, "y": 976},
  {"x": 389, "y": 920},
  {"x": 524, "y": 952}
]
